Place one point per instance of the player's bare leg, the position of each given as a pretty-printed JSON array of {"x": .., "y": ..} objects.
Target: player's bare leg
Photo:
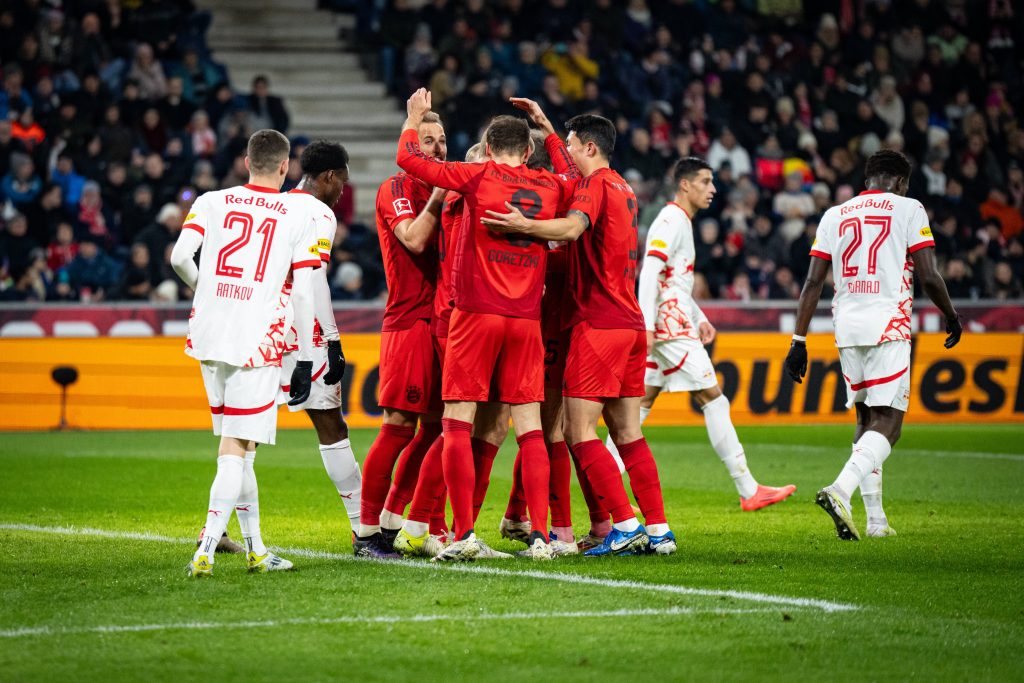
[
  {"x": 879, "y": 434},
  {"x": 395, "y": 434},
  {"x": 460, "y": 478},
  {"x": 598, "y": 467},
  {"x": 536, "y": 473},
  {"x": 338, "y": 458}
]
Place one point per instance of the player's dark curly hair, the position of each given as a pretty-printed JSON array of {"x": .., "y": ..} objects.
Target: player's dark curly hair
[
  {"x": 507, "y": 135},
  {"x": 687, "y": 167},
  {"x": 596, "y": 129},
  {"x": 887, "y": 162},
  {"x": 323, "y": 155}
]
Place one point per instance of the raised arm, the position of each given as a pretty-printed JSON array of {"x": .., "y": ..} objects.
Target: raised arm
[
  {"x": 560, "y": 159},
  {"x": 449, "y": 175}
]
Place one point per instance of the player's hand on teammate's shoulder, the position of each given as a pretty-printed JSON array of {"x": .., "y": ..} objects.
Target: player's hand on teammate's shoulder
[
  {"x": 707, "y": 332},
  {"x": 302, "y": 380},
  {"x": 513, "y": 221},
  {"x": 796, "y": 361},
  {"x": 954, "y": 330},
  {"x": 335, "y": 362}
]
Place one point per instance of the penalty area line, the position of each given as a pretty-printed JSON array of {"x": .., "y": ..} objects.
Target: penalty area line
[
  {"x": 562, "y": 577},
  {"x": 43, "y": 631}
]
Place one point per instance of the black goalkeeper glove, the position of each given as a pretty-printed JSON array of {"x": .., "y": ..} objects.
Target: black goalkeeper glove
[
  {"x": 302, "y": 380},
  {"x": 954, "y": 328},
  {"x": 796, "y": 361},
  {"x": 335, "y": 363}
]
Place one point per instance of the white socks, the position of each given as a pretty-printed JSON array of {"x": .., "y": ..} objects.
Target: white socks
[
  {"x": 631, "y": 524},
  {"x": 342, "y": 468},
  {"x": 247, "y": 509},
  {"x": 657, "y": 529},
  {"x": 868, "y": 454},
  {"x": 727, "y": 445},
  {"x": 871, "y": 492},
  {"x": 223, "y": 495},
  {"x": 416, "y": 529},
  {"x": 389, "y": 520},
  {"x": 613, "y": 449}
]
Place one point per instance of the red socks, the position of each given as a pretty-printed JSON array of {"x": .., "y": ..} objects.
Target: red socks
[
  {"x": 459, "y": 475},
  {"x": 644, "y": 480},
  {"x": 536, "y": 478},
  {"x": 380, "y": 460},
  {"x": 516, "y": 510},
  {"x": 598, "y": 467},
  {"x": 483, "y": 461},
  {"x": 408, "y": 469},
  {"x": 561, "y": 474},
  {"x": 598, "y": 515},
  {"x": 438, "y": 524},
  {"x": 430, "y": 486}
]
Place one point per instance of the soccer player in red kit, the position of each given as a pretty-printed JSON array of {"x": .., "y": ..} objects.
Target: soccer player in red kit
[
  {"x": 407, "y": 216},
  {"x": 604, "y": 371},
  {"x": 494, "y": 336}
]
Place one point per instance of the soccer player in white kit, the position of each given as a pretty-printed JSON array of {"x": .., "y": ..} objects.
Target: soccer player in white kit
[
  {"x": 324, "y": 174},
  {"x": 874, "y": 243},
  {"x": 677, "y": 329},
  {"x": 254, "y": 239}
]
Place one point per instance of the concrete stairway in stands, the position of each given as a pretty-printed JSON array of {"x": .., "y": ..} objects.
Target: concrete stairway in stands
[{"x": 326, "y": 91}]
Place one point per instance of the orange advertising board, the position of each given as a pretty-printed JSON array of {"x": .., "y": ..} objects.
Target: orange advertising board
[{"x": 149, "y": 383}]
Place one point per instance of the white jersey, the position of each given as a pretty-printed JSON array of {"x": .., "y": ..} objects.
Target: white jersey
[
  {"x": 869, "y": 240},
  {"x": 252, "y": 239},
  {"x": 326, "y": 225},
  {"x": 671, "y": 312}
]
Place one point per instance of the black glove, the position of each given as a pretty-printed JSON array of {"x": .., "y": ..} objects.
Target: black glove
[
  {"x": 302, "y": 379},
  {"x": 954, "y": 328},
  {"x": 796, "y": 361},
  {"x": 335, "y": 363}
]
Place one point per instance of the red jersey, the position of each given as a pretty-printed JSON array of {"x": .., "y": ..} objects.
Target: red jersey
[
  {"x": 410, "y": 277},
  {"x": 447, "y": 236},
  {"x": 601, "y": 277},
  {"x": 493, "y": 272}
]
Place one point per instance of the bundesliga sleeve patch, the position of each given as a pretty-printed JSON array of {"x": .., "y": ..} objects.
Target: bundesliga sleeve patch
[
  {"x": 314, "y": 250},
  {"x": 926, "y": 231},
  {"x": 402, "y": 206},
  {"x": 659, "y": 243},
  {"x": 189, "y": 217}
]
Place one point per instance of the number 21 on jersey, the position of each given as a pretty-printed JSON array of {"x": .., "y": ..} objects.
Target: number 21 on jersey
[{"x": 236, "y": 220}]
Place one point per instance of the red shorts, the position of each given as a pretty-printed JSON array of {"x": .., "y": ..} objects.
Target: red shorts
[
  {"x": 441, "y": 347},
  {"x": 410, "y": 374},
  {"x": 493, "y": 357},
  {"x": 556, "y": 345},
  {"x": 605, "y": 364}
]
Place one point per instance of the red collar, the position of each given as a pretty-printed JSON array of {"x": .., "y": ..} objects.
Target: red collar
[
  {"x": 681, "y": 209},
  {"x": 871, "y": 192},
  {"x": 260, "y": 188},
  {"x": 296, "y": 190}
]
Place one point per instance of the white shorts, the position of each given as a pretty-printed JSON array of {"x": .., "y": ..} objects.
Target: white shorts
[
  {"x": 877, "y": 375},
  {"x": 321, "y": 396},
  {"x": 680, "y": 365},
  {"x": 243, "y": 401}
]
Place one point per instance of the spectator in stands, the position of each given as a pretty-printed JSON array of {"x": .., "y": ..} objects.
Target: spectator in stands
[
  {"x": 148, "y": 74},
  {"x": 572, "y": 66},
  {"x": 997, "y": 206},
  {"x": 175, "y": 110},
  {"x": 46, "y": 213},
  {"x": 138, "y": 213},
  {"x": 793, "y": 205},
  {"x": 958, "y": 280},
  {"x": 21, "y": 185},
  {"x": 16, "y": 245},
  {"x": 157, "y": 236},
  {"x": 1005, "y": 284},
  {"x": 137, "y": 280},
  {"x": 420, "y": 59},
  {"x": 9, "y": 145},
  {"x": 528, "y": 71},
  {"x": 63, "y": 248},
  {"x": 199, "y": 76},
  {"x": 90, "y": 219},
  {"x": 70, "y": 181},
  {"x": 14, "y": 98},
  {"x": 267, "y": 110},
  {"x": 726, "y": 148},
  {"x": 204, "y": 139},
  {"x": 92, "y": 272}
]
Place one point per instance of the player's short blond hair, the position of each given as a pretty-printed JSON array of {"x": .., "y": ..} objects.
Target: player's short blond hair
[
  {"x": 476, "y": 153},
  {"x": 432, "y": 117},
  {"x": 266, "y": 150}
]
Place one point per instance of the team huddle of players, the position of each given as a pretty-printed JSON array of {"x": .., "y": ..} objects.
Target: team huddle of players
[{"x": 511, "y": 298}]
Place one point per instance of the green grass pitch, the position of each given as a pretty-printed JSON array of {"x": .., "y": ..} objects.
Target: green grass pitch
[{"x": 766, "y": 595}]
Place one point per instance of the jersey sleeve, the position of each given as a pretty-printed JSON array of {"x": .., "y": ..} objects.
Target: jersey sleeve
[
  {"x": 919, "y": 233},
  {"x": 822, "y": 245},
  {"x": 451, "y": 175},
  {"x": 588, "y": 199},
  {"x": 305, "y": 252},
  {"x": 663, "y": 238},
  {"x": 395, "y": 201},
  {"x": 326, "y": 227},
  {"x": 560, "y": 159},
  {"x": 198, "y": 216}
]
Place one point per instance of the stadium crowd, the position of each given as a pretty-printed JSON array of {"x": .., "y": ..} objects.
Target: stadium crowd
[
  {"x": 111, "y": 123},
  {"x": 785, "y": 105}
]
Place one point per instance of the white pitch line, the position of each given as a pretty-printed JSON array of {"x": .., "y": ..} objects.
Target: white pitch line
[
  {"x": 749, "y": 596},
  {"x": 914, "y": 452},
  {"x": 380, "y": 619}
]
